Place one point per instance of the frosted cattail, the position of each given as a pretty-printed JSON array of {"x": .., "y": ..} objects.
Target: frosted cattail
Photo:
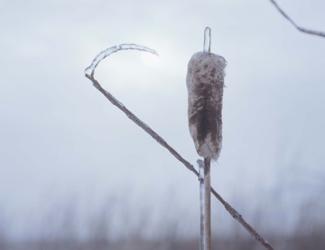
[{"x": 205, "y": 82}]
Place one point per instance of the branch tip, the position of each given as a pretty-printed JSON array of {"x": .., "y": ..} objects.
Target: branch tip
[{"x": 299, "y": 28}]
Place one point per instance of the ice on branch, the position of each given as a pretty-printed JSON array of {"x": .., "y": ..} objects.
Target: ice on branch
[{"x": 90, "y": 70}]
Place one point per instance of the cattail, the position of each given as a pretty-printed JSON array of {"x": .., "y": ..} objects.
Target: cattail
[{"x": 205, "y": 82}]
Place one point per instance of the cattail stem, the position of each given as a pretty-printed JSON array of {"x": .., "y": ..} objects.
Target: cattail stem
[
  {"x": 207, "y": 40},
  {"x": 205, "y": 204}
]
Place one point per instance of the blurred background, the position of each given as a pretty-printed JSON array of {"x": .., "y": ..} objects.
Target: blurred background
[{"x": 75, "y": 173}]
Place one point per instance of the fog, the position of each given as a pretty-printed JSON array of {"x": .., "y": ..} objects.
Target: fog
[{"x": 63, "y": 146}]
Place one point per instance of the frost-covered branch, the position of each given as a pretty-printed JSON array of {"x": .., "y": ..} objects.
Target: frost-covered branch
[
  {"x": 290, "y": 20},
  {"x": 90, "y": 70},
  {"x": 89, "y": 73}
]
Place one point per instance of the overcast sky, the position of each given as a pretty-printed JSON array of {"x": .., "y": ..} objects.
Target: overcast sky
[{"x": 60, "y": 137}]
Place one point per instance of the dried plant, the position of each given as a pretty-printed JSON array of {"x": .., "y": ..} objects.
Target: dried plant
[{"x": 89, "y": 73}]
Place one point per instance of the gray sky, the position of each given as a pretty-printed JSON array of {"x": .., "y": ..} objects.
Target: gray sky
[{"x": 60, "y": 138}]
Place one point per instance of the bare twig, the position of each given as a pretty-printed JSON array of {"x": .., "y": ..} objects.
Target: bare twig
[
  {"x": 301, "y": 29},
  {"x": 90, "y": 70},
  {"x": 89, "y": 73}
]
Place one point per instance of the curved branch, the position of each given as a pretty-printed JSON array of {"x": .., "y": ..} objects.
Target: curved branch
[
  {"x": 90, "y": 70},
  {"x": 89, "y": 73},
  {"x": 290, "y": 20}
]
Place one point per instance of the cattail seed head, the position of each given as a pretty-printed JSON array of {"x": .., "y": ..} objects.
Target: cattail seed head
[{"x": 205, "y": 82}]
